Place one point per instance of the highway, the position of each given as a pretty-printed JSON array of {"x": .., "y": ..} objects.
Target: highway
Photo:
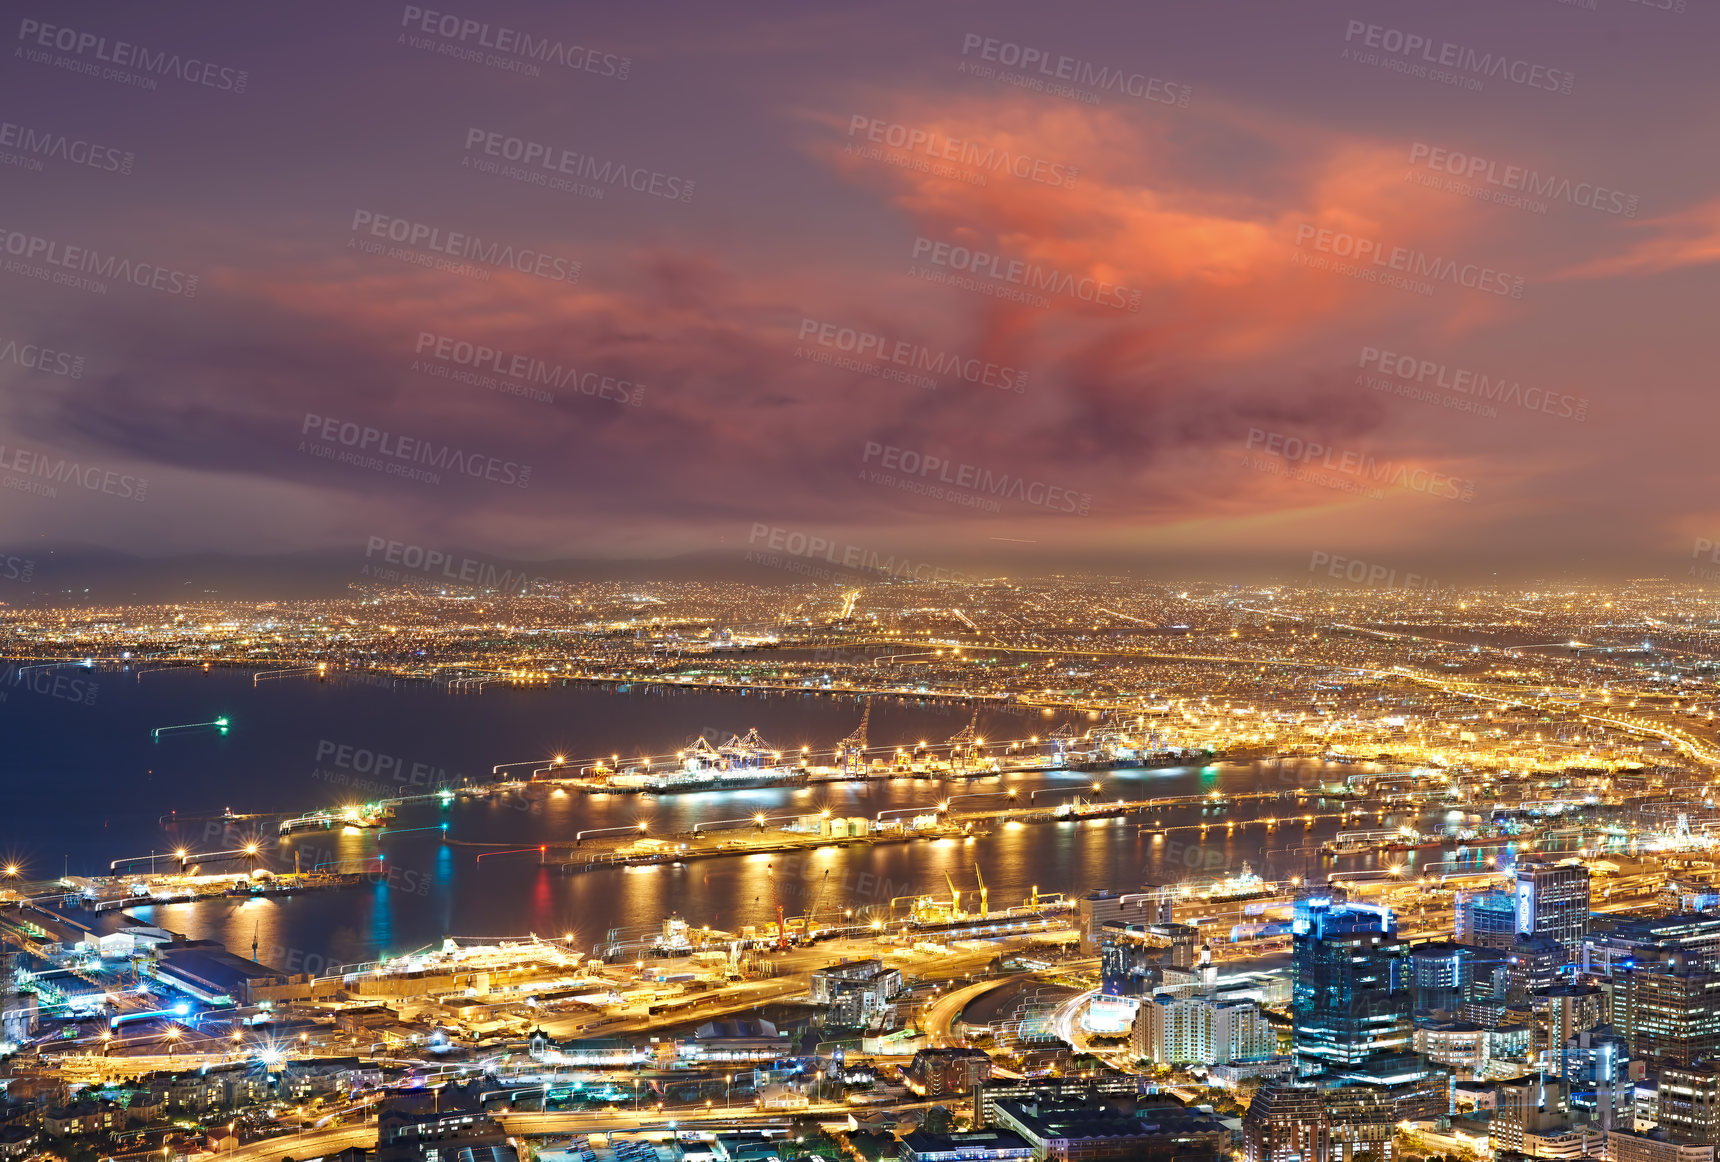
[
  {"x": 310, "y": 1144},
  {"x": 941, "y": 1013}
]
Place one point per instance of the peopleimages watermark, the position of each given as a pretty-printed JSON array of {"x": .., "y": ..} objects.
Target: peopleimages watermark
[
  {"x": 913, "y": 471},
  {"x": 121, "y": 61},
  {"x": 938, "y": 147},
  {"x": 1362, "y": 467},
  {"x": 525, "y": 371},
  {"x": 1059, "y": 74},
  {"x": 1412, "y": 374},
  {"x": 444, "y": 565},
  {"x": 1401, "y": 260},
  {"x": 798, "y": 552},
  {"x": 49, "y": 680},
  {"x": 27, "y": 471},
  {"x": 447, "y": 246},
  {"x": 358, "y": 760},
  {"x": 13, "y": 568},
  {"x": 52, "y": 261},
  {"x": 1444, "y": 61},
  {"x": 1519, "y": 187},
  {"x": 1371, "y": 574},
  {"x": 499, "y": 46},
  {"x": 1016, "y": 272},
  {"x": 398, "y": 455},
  {"x": 540, "y": 163},
  {"x": 1707, "y": 572},
  {"x": 35, "y": 357},
  {"x": 34, "y": 147},
  {"x": 880, "y": 356}
]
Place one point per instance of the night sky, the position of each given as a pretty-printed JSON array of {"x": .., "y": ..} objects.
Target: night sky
[{"x": 1191, "y": 286}]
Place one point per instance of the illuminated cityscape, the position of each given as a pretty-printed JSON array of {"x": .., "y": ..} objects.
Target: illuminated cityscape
[
  {"x": 1466, "y": 843},
  {"x": 859, "y": 582}
]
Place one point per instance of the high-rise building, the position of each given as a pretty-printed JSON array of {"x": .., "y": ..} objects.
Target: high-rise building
[
  {"x": 1689, "y": 1109},
  {"x": 1286, "y": 1123},
  {"x": 1486, "y": 919},
  {"x": 1655, "y": 1146},
  {"x": 1669, "y": 1013},
  {"x": 1353, "y": 1002},
  {"x": 1460, "y": 1045},
  {"x": 1529, "y": 1106},
  {"x": 1445, "y": 974},
  {"x": 1568, "y": 1009},
  {"x": 1595, "y": 1066},
  {"x": 1361, "y": 1123},
  {"x": 1201, "y": 1030},
  {"x": 1553, "y": 900}
]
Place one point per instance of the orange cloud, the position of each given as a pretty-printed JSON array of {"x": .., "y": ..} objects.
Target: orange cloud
[{"x": 1688, "y": 238}]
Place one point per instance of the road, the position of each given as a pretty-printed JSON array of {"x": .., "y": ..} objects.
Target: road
[
  {"x": 941, "y": 1014},
  {"x": 310, "y": 1144}
]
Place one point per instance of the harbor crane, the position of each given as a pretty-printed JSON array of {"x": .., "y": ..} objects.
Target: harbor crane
[
  {"x": 812, "y": 905},
  {"x": 965, "y": 743},
  {"x": 851, "y": 751}
]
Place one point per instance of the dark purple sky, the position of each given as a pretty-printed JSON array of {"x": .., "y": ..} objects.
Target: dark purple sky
[{"x": 1408, "y": 281}]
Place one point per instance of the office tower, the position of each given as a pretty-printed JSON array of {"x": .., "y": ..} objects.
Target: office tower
[
  {"x": 1527, "y": 1106},
  {"x": 1568, "y": 1009},
  {"x": 1533, "y": 963},
  {"x": 1445, "y": 974},
  {"x": 1438, "y": 973},
  {"x": 1353, "y": 999},
  {"x": 1553, "y": 900},
  {"x": 1689, "y": 1108},
  {"x": 1670, "y": 1014},
  {"x": 1486, "y": 919},
  {"x": 1595, "y": 1066},
  {"x": 1286, "y": 1123}
]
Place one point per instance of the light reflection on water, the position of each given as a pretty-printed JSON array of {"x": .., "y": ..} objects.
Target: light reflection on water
[{"x": 431, "y": 885}]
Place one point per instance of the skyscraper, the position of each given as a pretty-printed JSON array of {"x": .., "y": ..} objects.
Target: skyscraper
[
  {"x": 1486, "y": 919},
  {"x": 1595, "y": 1065},
  {"x": 1553, "y": 900},
  {"x": 1353, "y": 1002},
  {"x": 1669, "y": 1013},
  {"x": 1690, "y": 1103}
]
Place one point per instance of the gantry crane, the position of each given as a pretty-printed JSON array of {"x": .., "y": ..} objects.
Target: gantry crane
[
  {"x": 851, "y": 751},
  {"x": 984, "y": 896},
  {"x": 964, "y": 744},
  {"x": 812, "y": 904}
]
